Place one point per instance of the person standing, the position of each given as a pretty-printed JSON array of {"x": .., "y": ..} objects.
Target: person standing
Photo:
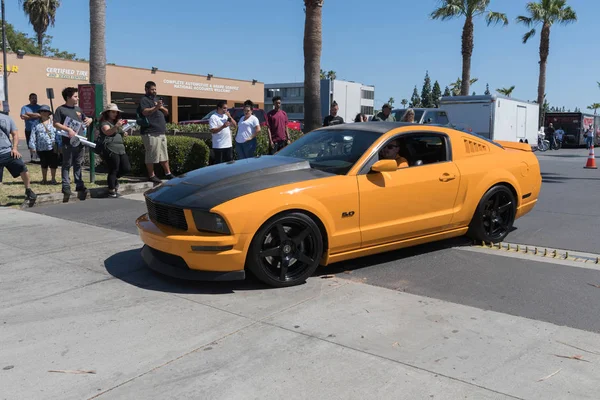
[
  {"x": 43, "y": 141},
  {"x": 360, "y": 117},
  {"x": 10, "y": 156},
  {"x": 409, "y": 116},
  {"x": 385, "y": 114},
  {"x": 219, "y": 124},
  {"x": 248, "y": 129},
  {"x": 111, "y": 127},
  {"x": 31, "y": 116},
  {"x": 277, "y": 122},
  {"x": 72, "y": 155},
  {"x": 154, "y": 132},
  {"x": 333, "y": 118},
  {"x": 550, "y": 136}
]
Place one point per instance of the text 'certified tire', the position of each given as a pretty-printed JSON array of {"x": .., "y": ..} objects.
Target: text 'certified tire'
[
  {"x": 495, "y": 215},
  {"x": 286, "y": 250}
]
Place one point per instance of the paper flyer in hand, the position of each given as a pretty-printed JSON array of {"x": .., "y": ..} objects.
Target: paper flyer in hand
[{"x": 77, "y": 126}]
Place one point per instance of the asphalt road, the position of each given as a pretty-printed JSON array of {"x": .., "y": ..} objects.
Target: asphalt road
[{"x": 567, "y": 216}]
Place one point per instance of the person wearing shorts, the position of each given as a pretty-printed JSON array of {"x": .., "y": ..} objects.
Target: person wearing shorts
[
  {"x": 10, "y": 158},
  {"x": 154, "y": 133},
  {"x": 43, "y": 141}
]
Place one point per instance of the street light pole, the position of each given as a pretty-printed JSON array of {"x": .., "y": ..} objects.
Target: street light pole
[{"x": 5, "y": 104}]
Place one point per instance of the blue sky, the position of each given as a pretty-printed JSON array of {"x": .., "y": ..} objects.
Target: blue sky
[{"x": 389, "y": 44}]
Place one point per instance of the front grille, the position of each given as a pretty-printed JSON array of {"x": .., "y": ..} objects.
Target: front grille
[{"x": 166, "y": 215}]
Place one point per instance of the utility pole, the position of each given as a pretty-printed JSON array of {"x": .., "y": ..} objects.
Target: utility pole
[{"x": 5, "y": 104}]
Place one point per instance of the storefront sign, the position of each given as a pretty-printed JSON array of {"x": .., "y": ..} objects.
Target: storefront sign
[
  {"x": 65, "y": 73},
  {"x": 203, "y": 87},
  {"x": 9, "y": 68}
]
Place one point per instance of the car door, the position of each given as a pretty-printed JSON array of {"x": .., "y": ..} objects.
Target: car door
[{"x": 413, "y": 201}]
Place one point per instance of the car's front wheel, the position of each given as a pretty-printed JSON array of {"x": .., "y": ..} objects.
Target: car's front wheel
[
  {"x": 286, "y": 250},
  {"x": 494, "y": 216}
]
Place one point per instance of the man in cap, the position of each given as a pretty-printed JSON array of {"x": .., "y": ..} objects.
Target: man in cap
[{"x": 385, "y": 114}]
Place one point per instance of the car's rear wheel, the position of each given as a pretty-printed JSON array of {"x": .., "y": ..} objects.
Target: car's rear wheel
[
  {"x": 286, "y": 250},
  {"x": 494, "y": 216}
]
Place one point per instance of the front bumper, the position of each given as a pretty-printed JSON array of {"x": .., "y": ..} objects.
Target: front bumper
[
  {"x": 194, "y": 256},
  {"x": 170, "y": 265}
]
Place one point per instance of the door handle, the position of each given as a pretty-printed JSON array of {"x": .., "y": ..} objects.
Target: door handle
[{"x": 447, "y": 177}]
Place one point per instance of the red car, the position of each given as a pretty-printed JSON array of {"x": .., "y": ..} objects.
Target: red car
[{"x": 237, "y": 113}]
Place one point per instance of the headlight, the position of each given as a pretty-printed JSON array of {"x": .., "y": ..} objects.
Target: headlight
[{"x": 206, "y": 221}]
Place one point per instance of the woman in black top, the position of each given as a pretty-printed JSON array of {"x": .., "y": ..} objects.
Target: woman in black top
[{"x": 111, "y": 126}]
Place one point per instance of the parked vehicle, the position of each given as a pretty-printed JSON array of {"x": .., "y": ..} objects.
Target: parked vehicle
[
  {"x": 495, "y": 117},
  {"x": 424, "y": 115},
  {"x": 237, "y": 113},
  {"x": 575, "y": 125}
]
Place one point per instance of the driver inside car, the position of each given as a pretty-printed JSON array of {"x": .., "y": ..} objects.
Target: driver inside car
[{"x": 390, "y": 152}]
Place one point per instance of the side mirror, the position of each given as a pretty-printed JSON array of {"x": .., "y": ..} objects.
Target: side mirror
[{"x": 385, "y": 166}]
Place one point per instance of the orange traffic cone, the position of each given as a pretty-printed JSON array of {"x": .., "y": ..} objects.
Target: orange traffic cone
[{"x": 591, "y": 161}]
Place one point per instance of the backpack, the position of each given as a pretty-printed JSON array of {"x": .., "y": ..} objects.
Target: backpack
[{"x": 141, "y": 119}]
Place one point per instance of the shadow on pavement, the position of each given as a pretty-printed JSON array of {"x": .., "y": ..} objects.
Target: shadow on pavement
[
  {"x": 129, "y": 267},
  {"x": 392, "y": 256},
  {"x": 558, "y": 178}
]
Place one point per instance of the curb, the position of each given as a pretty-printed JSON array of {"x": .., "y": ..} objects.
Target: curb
[{"x": 94, "y": 193}]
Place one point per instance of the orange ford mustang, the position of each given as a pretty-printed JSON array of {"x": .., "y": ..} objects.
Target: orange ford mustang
[{"x": 335, "y": 194}]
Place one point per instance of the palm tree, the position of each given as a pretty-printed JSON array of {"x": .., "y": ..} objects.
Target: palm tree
[
  {"x": 404, "y": 102},
  {"x": 547, "y": 13},
  {"x": 506, "y": 91},
  {"x": 313, "y": 42},
  {"x": 594, "y": 107},
  {"x": 331, "y": 75},
  {"x": 391, "y": 101},
  {"x": 98, "y": 44},
  {"x": 456, "y": 87},
  {"x": 41, "y": 14},
  {"x": 469, "y": 9}
]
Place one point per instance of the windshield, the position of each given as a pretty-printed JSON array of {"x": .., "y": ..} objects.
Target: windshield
[
  {"x": 207, "y": 116},
  {"x": 335, "y": 151}
]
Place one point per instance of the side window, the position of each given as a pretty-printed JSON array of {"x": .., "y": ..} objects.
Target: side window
[
  {"x": 418, "y": 149},
  {"x": 442, "y": 118},
  {"x": 423, "y": 149}
]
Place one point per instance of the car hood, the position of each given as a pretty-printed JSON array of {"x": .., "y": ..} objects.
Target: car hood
[{"x": 208, "y": 187}]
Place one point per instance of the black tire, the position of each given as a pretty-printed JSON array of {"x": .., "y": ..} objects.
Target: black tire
[
  {"x": 494, "y": 216},
  {"x": 286, "y": 250}
]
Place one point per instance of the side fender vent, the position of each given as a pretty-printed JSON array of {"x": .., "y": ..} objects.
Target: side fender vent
[{"x": 472, "y": 147}]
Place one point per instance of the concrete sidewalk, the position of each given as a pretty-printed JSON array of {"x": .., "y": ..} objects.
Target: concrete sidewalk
[{"x": 78, "y": 297}]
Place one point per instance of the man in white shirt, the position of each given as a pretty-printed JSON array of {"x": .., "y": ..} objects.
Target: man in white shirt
[{"x": 219, "y": 124}]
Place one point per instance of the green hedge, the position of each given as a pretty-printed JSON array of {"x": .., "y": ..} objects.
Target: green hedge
[
  {"x": 188, "y": 153},
  {"x": 185, "y": 154}
]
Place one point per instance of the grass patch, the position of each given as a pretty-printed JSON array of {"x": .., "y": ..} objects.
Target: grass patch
[{"x": 12, "y": 191}]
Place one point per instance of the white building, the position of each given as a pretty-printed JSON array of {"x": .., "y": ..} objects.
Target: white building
[{"x": 352, "y": 98}]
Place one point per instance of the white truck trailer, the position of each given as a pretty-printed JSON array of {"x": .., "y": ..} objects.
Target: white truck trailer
[{"x": 494, "y": 117}]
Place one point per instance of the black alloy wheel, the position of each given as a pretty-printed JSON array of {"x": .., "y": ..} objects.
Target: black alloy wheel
[
  {"x": 495, "y": 215},
  {"x": 286, "y": 250}
]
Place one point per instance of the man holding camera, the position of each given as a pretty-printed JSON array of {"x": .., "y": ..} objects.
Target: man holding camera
[
  {"x": 219, "y": 124},
  {"x": 153, "y": 131}
]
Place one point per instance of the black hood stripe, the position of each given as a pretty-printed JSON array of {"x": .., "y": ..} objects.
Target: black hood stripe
[{"x": 210, "y": 186}]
